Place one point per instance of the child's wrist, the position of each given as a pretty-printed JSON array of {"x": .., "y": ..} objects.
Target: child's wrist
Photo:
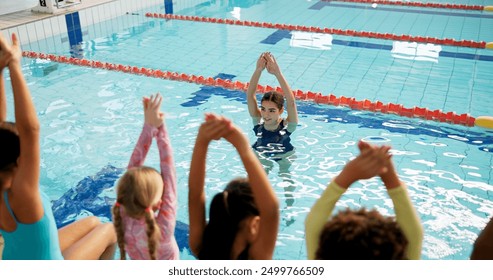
[
  {"x": 239, "y": 142},
  {"x": 14, "y": 63},
  {"x": 391, "y": 181},
  {"x": 202, "y": 141},
  {"x": 344, "y": 180},
  {"x": 244, "y": 150},
  {"x": 152, "y": 125}
]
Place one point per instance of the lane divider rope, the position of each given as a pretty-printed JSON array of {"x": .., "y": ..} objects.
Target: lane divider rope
[
  {"x": 317, "y": 97},
  {"x": 344, "y": 32},
  {"x": 420, "y": 4}
]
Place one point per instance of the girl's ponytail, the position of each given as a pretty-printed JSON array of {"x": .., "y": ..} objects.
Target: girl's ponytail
[{"x": 228, "y": 209}]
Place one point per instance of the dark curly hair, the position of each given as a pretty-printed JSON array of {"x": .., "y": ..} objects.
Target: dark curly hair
[{"x": 361, "y": 235}]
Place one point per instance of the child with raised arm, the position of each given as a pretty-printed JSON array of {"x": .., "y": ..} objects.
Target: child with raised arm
[
  {"x": 141, "y": 191},
  {"x": 27, "y": 223},
  {"x": 363, "y": 234},
  {"x": 244, "y": 218},
  {"x": 272, "y": 131}
]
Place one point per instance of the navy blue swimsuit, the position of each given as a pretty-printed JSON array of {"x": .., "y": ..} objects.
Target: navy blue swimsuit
[{"x": 272, "y": 144}]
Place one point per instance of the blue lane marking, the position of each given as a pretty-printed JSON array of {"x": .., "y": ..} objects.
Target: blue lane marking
[
  {"x": 365, "y": 45},
  {"x": 74, "y": 33},
  {"x": 278, "y": 35},
  {"x": 467, "y": 56},
  {"x": 168, "y": 7},
  {"x": 320, "y": 5},
  {"x": 201, "y": 96}
]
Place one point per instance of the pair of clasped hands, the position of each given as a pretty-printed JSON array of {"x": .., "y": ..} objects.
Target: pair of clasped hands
[{"x": 267, "y": 61}]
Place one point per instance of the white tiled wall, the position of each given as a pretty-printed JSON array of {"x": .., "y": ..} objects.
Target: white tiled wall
[{"x": 29, "y": 34}]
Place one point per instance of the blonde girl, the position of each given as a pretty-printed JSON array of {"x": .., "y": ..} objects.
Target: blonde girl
[{"x": 144, "y": 214}]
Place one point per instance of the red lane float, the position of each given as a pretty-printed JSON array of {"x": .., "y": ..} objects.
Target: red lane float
[
  {"x": 317, "y": 97},
  {"x": 344, "y": 32},
  {"x": 417, "y": 4}
]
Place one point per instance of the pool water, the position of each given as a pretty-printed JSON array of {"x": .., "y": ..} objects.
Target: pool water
[{"x": 91, "y": 118}]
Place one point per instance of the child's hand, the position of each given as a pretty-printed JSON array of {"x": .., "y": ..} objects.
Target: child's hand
[
  {"x": 236, "y": 138},
  {"x": 261, "y": 62},
  {"x": 371, "y": 162},
  {"x": 389, "y": 178},
  {"x": 152, "y": 110},
  {"x": 9, "y": 53},
  {"x": 216, "y": 127},
  {"x": 213, "y": 128},
  {"x": 272, "y": 66}
]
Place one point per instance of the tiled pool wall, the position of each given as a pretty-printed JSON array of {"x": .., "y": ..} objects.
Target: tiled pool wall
[{"x": 75, "y": 27}]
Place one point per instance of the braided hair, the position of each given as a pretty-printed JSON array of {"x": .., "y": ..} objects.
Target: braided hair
[{"x": 136, "y": 191}]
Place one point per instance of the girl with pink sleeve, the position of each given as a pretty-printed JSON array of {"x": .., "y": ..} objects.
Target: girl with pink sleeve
[{"x": 145, "y": 210}]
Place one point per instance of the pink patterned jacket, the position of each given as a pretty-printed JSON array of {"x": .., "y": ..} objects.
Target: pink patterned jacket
[{"x": 135, "y": 229}]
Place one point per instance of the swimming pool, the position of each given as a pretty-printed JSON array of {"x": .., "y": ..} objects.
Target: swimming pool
[{"x": 91, "y": 118}]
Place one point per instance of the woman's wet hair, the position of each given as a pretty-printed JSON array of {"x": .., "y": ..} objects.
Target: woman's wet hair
[
  {"x": 361, "y": 235},
  {"x": 228, "y": 209},
  {"x": 275, "y": 97},
  {"x": 9, "y": 146}
]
